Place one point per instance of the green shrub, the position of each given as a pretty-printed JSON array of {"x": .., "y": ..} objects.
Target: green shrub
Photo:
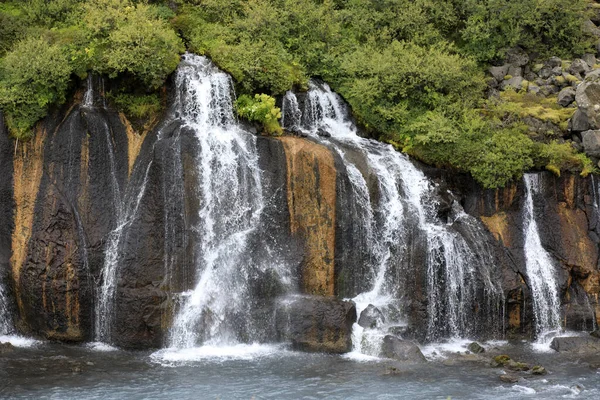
[
  {"x": 33, "y": 76},
  {"x": 132, "y": 39},
  {"x": 261, "y": 109},
  {"x": 547, "y": 27},
  {"x": 137, "y": 106}
]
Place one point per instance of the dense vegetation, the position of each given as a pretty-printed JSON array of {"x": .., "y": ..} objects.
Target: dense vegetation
[{"x": 412, "y": 70}]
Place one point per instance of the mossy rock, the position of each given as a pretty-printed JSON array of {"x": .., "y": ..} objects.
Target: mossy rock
[
  {"x": 537, "y": 68},
  {"x": 571, "y": 78},
  {"x": 507, "y": 77},
  {"x": 539, "y": 370},
  {"x": 517, "y": 366},
  {"x": 501, "y": 360}
]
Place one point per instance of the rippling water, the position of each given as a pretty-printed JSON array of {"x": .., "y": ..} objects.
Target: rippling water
[{"x": 51, "y": 371}]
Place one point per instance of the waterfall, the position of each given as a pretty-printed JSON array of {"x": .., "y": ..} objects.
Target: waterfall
[
  {"x": 5, "y": 322},
  {"x": 88, "y": 97},
  {"x": 539, "y": 266},
  {"x": 126, "y": 214},
  {"x": 400, "y": 221},
  {"x": 216, "y": 311},
  {"x": 125, "y": 207}
]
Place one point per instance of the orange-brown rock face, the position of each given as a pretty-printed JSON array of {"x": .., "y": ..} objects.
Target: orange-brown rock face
[
  {"x": 27, "y": 165},
  {"x": 311, "y": 180}
]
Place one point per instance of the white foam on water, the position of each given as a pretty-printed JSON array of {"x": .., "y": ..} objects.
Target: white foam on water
[
  {"x": 101, "y": 347},
  {"x": 542, "y": 344},
  {"x": 523, "y": 389},
  {"x": 361, "y": 357},
  {"x": 19, "y": 341},
  {"x": 177, "y": 356},
  {"x": 441, "y": 350}
]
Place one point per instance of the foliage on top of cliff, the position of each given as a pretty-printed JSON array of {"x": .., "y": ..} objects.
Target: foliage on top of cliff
[
  {"x": 49, "y": 42},
  {"x": 412, "y": 70}
]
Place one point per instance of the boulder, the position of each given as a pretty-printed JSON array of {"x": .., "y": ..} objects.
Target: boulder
[
  {"x": 401, "y": 350},
  {"x": 566, "y": 96},
  {"x": 517, "y": 366},
  {"x": 6, "y": 348},
  {"x": 323, "y": 133},
  {"x": 317, "y": 324},
  {"x": 515, "y": 71},
  {"x": 590, "y": 59},
  {"x": 577, "y": 344},
  {"x": 591, "y": 28},
  {"x": 499, "y": 72},
  {"x": 546, "y": 72},
  {"x": 371, "y": 317},
  {"x": 517, "y": 57},
  {"x": 538, "y": 370},
  {"x": 579, "y": 66},
  {"x": 591, "y": 142},
  {"x": 507, "y": 378},
  {"x": 579, "y": 122},
  {"x": 557, "y": 71},
  {"x": 532, "y": 88},
  {"x": 476, "y": 348},
  {"x": 554, "y": 62},
  {"x": 588, "y": 98},
  {"x": 515, "y": 82}
]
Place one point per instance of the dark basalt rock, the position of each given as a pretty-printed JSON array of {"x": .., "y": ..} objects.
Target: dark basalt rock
[
  {"x": 507, "y": 378},
  {"x": 6, "y": 348},
  {"x": 401, "y": 350},
  {"x": 371, "y": 317},
  {"x": 476, "y": 348},
  {"x": 317, "y": 324},
  {"x": 577, "y": 344}
]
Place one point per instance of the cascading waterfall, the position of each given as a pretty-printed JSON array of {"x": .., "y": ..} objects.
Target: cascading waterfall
[
  {"x": 5, "y": 323},
  {"x": 125, "y": 207},
  {"x": 216, "y": 311},
  {"x": 403, "y": 212},
  {"x": 539, "y": 266}
]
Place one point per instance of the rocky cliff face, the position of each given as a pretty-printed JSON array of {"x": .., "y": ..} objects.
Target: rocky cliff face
[
  {"x": 65, "y": 190},
  {"x": 567, "y": 217}
]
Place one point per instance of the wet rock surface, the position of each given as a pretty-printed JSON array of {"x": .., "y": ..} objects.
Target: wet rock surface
[
  {"x": 371, "y": 317},
  {"x": 317, "y": 324},
  {"x": 577, "y": 344},
  {"x": 401, "y": 350}
]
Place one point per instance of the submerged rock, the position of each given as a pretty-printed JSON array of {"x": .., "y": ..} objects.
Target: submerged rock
[
  {"x": 538, "y": 370},
  {"x": 507, "y": 378},
  {"x": 517, "y": 366},
  {"x": 500, "y": 360},
  {"x": 401, "y": 350},
  {"x": 371, "y": 317},
  {"x": 476, "y": 348}
]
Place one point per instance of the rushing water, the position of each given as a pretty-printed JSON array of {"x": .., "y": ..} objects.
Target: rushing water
[
  {"x": 5, "y": 323},
  {"x": 397, "y": 223},
  {"x": 540, "y": 268},
  {"x": 125, "y": 204},
  {"x": 217, "y": 310}
]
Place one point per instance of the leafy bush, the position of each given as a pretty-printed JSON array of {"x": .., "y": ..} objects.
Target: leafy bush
[
  {"x": 137, "y": 106},
  {"x": 33, "y": 76},
  {"x": 547, "y": 27},
  {"x": 133, "y": 39},
  {"x": 261, "y": 109}
]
